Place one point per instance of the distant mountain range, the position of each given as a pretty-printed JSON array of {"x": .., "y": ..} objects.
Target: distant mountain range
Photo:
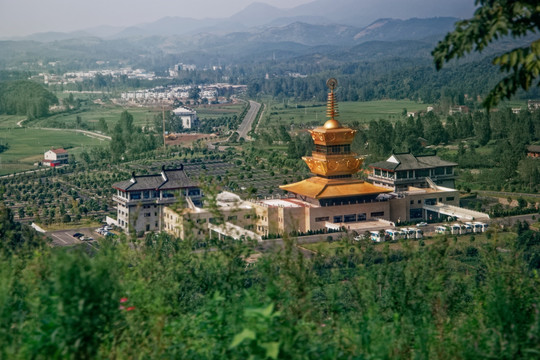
[{"x": 257, "y": 16}]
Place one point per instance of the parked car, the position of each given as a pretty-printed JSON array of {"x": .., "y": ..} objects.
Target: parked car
[
  {"x": 77, "y": 235},
  {"x": 422, "y": 224}
]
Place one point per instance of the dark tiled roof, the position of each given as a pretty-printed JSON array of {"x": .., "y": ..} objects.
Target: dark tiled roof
[
  {"x": 410, "y": 162},
  {"x": 533, "y": 148},
  {"x": 384, "y": 165},
  {"x": 167, "y": 180}
]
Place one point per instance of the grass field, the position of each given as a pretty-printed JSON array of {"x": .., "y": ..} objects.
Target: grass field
[
  {"x": 27, "y": 145},
  {"x": 315, "y": 113},
  {"x": 9, "y": 121},
  {"x": 141, "y": 116},
  {"x": 215, "y": 111},
  {"x": 111, "y": 114}
]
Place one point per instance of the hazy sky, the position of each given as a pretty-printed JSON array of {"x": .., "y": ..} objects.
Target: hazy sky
[{"x": 24, "y": 17}]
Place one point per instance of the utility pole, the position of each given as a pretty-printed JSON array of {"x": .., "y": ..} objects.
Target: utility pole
[{"x": 163, "y": 116}]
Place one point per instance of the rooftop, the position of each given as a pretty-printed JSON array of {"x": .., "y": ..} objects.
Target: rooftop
[
  {"x": 59, "y": 151},
  {"x": 407, "y": 161},
  {"x": 171, "y": 179},
  {"x": 533, "y": 148},
  {"x": 322, "y": 188}
]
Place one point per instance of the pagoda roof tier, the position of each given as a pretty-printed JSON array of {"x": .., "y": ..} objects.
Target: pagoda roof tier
[
  {"x": 330, "y": 165},
  {"x": 321, "y": 188},
  {"x": 332, "y": 136}
]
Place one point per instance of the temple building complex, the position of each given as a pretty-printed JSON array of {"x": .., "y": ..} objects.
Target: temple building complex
[{"x": 403, "y": 188}]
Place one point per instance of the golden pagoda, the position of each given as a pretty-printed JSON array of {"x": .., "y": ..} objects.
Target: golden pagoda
[{"x": 333, "y": 163}]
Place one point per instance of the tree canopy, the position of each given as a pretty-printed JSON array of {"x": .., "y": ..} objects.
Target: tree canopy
[{"x": 493, "y": 20}]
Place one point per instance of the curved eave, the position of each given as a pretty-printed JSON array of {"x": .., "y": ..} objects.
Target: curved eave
[{"x": 318, "y": 188}]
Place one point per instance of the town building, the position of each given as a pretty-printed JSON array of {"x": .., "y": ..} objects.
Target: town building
[
  {"x": 140, "y": 200},
  {"x": 403, "y": 170},
  {"x": 55, "y": 157},
  {"x": 188, "y": 117}
]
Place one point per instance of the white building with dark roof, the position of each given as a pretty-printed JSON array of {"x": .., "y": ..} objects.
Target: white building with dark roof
[{"x": 141, "y": 199}]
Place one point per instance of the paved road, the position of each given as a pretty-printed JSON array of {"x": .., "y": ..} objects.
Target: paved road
[{"x": 245, "y": 126}]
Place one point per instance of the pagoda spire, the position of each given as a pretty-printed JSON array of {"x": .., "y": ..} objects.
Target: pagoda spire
[{"x": 331, "y": 106}]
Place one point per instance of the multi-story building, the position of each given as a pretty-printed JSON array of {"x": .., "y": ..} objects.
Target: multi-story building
[
  {"x": 402, "y": 170},
  {"x": 231, "y": 216},
  {"x": 141, "y": 199},
  {"x": 55, "y": 157}
]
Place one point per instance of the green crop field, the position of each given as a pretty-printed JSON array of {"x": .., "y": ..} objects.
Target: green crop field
[
  {"x": 111, "y": 114},
  {"x": 9, "y": 121},
  {"x": 27, "y": 145},
  {"x": 215, "y": 111},
  {"x": 141, "y": 116},
  {"x": 315, "y": 113}
]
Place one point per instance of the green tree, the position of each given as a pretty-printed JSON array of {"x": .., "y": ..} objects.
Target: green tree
[{"x": 492, "y": 20}]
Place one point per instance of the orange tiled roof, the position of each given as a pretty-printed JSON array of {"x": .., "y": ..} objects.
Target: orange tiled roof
[{"x": 321, "y": 188}]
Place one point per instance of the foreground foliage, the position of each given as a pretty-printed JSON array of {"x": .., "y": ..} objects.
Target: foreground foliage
[{"x": 161, "y": 299}]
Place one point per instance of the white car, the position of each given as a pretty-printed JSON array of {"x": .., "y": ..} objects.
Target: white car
[{"x": 421, "y": 224}]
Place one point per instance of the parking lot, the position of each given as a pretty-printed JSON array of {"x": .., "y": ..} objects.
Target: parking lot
[{"x": 66, "y": 238}]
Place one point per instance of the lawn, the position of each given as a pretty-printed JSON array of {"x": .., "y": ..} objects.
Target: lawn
[
  {"x": 305, "y": 113},
  {"x": 27, "y": 145}
]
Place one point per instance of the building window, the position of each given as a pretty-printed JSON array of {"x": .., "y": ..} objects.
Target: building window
[
  {"x": 412, "y": 202},
  {"x": 338, "y": 219},
  {"x": 419, "y": 201},
  {"x": 361, "y": 217},
  {"x": 430, "y": 201},
  {"x": 349, "y": 218},
  {"x": 320, "y": 219},
  {"x": 415, "y": 213},
  {"x": 377, "y": 214},
  {"x": 194, "y": 192},
  {"x": 147, "y": 214},
  {"x": 450, "y": 198},
  {"x": 377, "y": 172},
  {"x": 232, "y": 218}
]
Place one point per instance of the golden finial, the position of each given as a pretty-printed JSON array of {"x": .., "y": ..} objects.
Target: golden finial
[{"x": 331, "y": 107}]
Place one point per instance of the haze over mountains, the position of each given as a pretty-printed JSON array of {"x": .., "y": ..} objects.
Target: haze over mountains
[{"x": 260, "y": 15}]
